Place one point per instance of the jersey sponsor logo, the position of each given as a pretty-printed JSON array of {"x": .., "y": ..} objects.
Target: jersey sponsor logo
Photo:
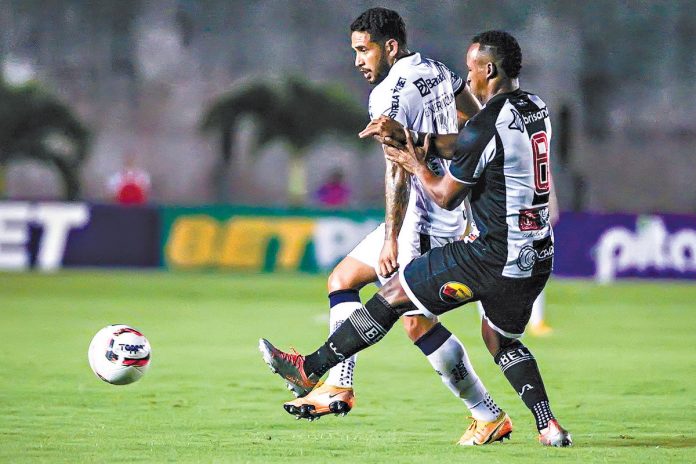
[
  {"x": 517, "y": 123},
  {"x": 533, "y": 219},
  {"x": 536, "y": 116},
  {"x": 455, "y": 293},
  {"x": 424, "y": 85},
  {"x": 528, "y": 256},
  {"x": 394, "y": 108},
  {"x": 400, "y": 83},
  {"x": 438, "y": 105}
]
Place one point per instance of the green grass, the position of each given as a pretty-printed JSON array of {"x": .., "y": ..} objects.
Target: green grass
[{"x": 619, "y": 369}]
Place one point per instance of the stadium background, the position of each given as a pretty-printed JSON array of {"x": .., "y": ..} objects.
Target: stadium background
[{"x": 233, "y": 221}]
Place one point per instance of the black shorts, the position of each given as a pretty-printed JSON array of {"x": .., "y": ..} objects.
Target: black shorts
[{"x": 458, "y": 273}]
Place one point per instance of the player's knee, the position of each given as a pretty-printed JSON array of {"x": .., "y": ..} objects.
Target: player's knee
[
  {"x": 394, "y": 294},
  {"x": 337, "y": 281},
  {"x": 417, "y": 326},
  {"x": 495, "y": 341}
]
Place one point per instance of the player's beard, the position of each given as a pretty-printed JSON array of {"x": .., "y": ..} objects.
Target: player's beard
[{"x": 381, "y": 70}]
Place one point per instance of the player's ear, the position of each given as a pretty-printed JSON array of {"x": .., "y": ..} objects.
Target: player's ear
[
  {"x": 391, "y": 46},
  {"x": 491, "y": 70}
]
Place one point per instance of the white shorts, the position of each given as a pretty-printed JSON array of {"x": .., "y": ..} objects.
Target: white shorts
[{"x": 411, "y": 245}]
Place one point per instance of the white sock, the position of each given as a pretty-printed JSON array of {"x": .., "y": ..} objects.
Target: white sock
[
  {"x": 538, "y": 309},
  {"x": 449, "y": 358},
  {"x": 341, "y": 375}
]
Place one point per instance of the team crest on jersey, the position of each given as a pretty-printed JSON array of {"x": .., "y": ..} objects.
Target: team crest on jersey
[
  {"x": 517, "y": 122},
  {"x": 455, "y": 293}
]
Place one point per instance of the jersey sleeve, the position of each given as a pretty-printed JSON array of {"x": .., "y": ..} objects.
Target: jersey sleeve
[
  {"x": 392, "y": 101},
  {"x": 473, "y": 145},
  {"x": 457, "y": 82}
]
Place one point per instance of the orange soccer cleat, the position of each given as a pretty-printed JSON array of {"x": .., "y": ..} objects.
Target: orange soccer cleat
[
  {"x": 484, "y": 433},
  {"x": 289, "y": 366},
  {"x": 324, "y": 399}
]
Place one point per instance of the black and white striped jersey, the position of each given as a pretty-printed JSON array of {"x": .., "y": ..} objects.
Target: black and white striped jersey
[
  {"x": 420, "y": 94},
  {"x": 503, "y": 153}
]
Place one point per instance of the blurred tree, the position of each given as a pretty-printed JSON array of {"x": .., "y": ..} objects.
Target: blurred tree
[
  {"x": 296, "y": 112},
  {"x": 37, "y": 126}
]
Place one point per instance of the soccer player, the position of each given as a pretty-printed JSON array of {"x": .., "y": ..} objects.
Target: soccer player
[
  {"x": 423, "y": 95},
  {"x": 501, "y": 159}
]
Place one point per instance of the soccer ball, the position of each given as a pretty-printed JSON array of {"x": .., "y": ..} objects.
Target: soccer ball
[{"x": 119, "y": 354}]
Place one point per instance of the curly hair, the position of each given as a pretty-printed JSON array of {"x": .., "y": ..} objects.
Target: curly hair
[
  {"x": 382, "y": 24},
  {"x": 506, "y": 49}
]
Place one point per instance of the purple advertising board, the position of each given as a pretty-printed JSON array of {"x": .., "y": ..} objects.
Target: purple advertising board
[
  {"x": 51, "y": 235},
  {"x": 117, "y": 236},
  {"x": 613, "y": 246}
]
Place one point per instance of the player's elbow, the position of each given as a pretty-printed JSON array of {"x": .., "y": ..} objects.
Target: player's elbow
[{"x": 450, "y": 200}]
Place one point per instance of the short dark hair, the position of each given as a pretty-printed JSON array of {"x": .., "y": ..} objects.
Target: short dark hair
[
  {"x": 506, "y": 49},
  {"x": 382, "y": 24}
]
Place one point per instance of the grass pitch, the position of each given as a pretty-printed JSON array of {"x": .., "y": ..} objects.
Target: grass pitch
[{"x": 619, "y": 369}]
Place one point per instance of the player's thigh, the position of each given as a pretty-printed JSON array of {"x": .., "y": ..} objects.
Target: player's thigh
[
  {"x": 444, "y": 278},
  {"x": 350, "y": 273},
  {"x": 418, "y": 244},
  {"x": 507, "y": 305}
]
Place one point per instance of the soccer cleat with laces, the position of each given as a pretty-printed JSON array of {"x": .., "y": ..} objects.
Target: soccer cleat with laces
[
  {"x": 289, "y": 366},
  {"x": 484, "y": 433},
  {"x": 324, "y": 399},
  {"x": 555, "y": 435}
]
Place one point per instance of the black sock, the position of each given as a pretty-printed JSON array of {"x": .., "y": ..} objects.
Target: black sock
[
  {"x": 521, "y": 370},
  {"x": 365, "y": 327}
]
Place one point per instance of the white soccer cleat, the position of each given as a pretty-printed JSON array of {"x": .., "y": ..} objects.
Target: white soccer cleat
[{"x": 555, "y": 435}]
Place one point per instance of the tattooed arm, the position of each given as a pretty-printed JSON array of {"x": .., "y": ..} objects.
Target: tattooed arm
[{"x": 397, "y": 184}]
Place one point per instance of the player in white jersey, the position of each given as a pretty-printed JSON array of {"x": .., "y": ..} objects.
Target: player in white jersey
[{"x": 423, "y": 95}]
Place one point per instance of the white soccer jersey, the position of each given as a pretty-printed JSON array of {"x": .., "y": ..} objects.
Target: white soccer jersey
[{"x": 420, "y": 94}]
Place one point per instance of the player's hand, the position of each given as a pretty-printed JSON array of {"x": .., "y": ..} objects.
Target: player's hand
[
  {"x": 388, "y": 264},
  {"x": 410, "y": 157},
  {"x": 386, "y": 130}
]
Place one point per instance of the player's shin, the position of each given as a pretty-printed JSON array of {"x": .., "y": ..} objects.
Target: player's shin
[
  {"x": 449, "y": 358},
  {"x": 365, "y": 327},
  {"x": 343, "y": 303},
  {"x": 521, "y": 370}
]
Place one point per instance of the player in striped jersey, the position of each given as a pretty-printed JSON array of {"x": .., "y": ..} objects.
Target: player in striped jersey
[{"x": 500, "y": 159}]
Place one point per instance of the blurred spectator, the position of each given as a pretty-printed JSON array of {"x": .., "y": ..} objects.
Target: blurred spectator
[
  {"x": 334, "y": 192},
  {"x": 130, "y": 185}
]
